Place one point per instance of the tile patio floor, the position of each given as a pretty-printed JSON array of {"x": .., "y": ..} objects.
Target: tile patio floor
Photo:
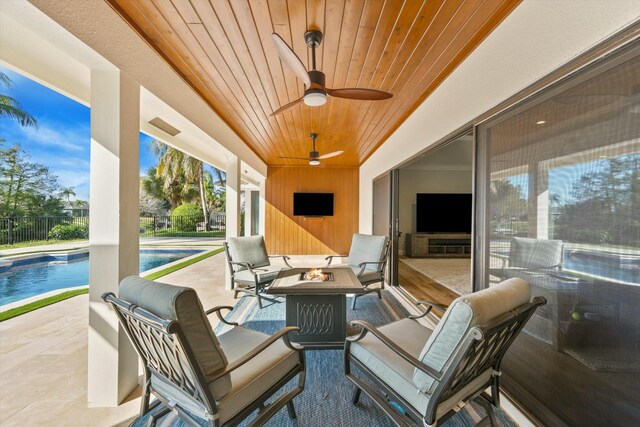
[{"x": 43, "y": 356}]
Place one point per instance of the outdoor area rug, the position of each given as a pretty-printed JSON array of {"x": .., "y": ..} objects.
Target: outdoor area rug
[{"x": 326, "y": 400}]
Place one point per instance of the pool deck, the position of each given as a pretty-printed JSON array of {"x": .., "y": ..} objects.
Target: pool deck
[
  {"x": 144, "y": 241},
  {"x": 43, "y": 355}
]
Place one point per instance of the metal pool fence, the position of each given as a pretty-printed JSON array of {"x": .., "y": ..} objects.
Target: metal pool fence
[{"x": 30, "y": 229}]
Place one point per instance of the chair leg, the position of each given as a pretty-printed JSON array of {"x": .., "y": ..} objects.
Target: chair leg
[
  {"x": 155, "y": 417},
  {"x": 353, "y": 305},
  {"x": 356, "y": 396},
  {"x": 235, "y": 294},
  {"x": 292, "y": 410},
  {"x": 379, "y": 292},
  {"x": 259, "y": 301},
  {"x": 492, "y": 415}
]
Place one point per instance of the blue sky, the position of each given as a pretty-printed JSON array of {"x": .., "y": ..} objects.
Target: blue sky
[{"x": 62, "y": 141}]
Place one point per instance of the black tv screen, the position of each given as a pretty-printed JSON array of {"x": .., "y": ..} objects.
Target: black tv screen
[
  {"x": 443, "y": 213},
  {"x": 313, "y": 204}
]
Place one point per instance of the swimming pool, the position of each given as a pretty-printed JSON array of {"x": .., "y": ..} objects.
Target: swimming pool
[{"x": 48, "y": 273}]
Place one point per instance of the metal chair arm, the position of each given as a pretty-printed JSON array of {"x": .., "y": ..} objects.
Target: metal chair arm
[
  {"x": 217, "y": 311},
  {"x": 246, "y": 265},
  {"x": 367, "y": 327},
  {"x": 284, "y": 258},
  {"x": 428, "y": 309},
  {"x": 330, "y": 258},
  {"x": 282, "y": 333},
  {"x": 363, "y": 265}
]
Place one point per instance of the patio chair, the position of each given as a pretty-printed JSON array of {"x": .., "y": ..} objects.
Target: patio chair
[
  {"x": 204, "y": 378},
  {"x": 426, "y": 375},
  {"x": 368, "y": 259},
  {"x": 249, "y": 266},
  {"x": 530, "y": 254}
]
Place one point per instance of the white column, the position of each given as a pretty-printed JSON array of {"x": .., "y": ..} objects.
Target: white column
[
  {"x": 114, "y": 230},
  {"x": 248, "y": 212},
  {"x": 538, "y": 200},
  {"x": 262, "y": 208},
  {"x": 233, "y": 203},
  {"x": 542, "y": 202}
]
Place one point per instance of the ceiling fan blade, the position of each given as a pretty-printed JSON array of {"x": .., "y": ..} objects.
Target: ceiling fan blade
[
  {"x": 332, "y": 154},
  {"x": 290, "y": 59},
  {"x": 361, "y": 94},
  {"x": 293, "y": 158},
  {"x": 287, "y": 106}
]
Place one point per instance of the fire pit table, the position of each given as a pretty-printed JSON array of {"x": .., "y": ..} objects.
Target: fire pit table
[{"x": 317, "y": 304}]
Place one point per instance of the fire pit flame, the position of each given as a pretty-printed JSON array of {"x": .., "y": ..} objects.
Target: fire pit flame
[{"x": 316, "y": 274}]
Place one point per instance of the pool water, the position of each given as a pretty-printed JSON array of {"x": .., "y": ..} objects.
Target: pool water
[{"x": 34, "y": 279}]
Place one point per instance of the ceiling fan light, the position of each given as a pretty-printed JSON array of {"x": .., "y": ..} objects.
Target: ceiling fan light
[
  {"x": 315, "y": 98},
  {"x": 314, "y": 162}
]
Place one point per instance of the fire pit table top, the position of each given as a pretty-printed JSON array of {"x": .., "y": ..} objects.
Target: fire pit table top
[{"x": 291, "y": 282}]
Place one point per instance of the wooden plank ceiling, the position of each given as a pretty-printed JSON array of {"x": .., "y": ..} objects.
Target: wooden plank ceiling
[{"x": 224, "y": 50}]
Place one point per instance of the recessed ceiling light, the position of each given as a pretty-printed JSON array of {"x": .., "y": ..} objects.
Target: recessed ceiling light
[
  {"x": 541, "y": 122},
  {"x": 603, "y": 157}
]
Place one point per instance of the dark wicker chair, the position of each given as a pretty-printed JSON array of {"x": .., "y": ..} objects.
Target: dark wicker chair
[
  {"x": 218, "y": 380},
  {"x": 425, "y": 375}
]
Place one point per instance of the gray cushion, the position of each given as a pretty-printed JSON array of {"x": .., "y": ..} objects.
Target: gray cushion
[
  {"x": 249, "y": 249},
  {"x": 535, "y": 253},
  {"x": 256, "y": 376},
  {"x": 387, "y": 365},
  {"x": 366, "y": 277},
  {"x": 398, "y": 373},
  {"x": 182, "y": 304},
  {"x": 265, "y": 274},
  {"x": 365, "y": 248},
  {"x": 467, "y": 311}
]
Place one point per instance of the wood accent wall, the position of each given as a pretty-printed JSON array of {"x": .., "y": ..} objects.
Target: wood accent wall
[{"x": 294, "y": 235}]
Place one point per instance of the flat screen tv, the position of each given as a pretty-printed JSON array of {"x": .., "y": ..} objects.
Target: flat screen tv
[
  {"x": 443, "y": 213},
  {"x": 313, "y": 204}
]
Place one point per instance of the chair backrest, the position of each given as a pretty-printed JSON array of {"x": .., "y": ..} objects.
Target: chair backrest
[
  {"x": 464, "y": 314},
  {"x": 249, "y": 249},
  {"x": 368, "y": 248},
  {"x": 535, "y": 253},
  {"x": 180, "y": 347}
]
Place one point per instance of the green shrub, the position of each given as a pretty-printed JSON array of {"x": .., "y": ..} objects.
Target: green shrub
[
  {"x": 68, "y": 232},
  {"x": 186, "y": 217}
]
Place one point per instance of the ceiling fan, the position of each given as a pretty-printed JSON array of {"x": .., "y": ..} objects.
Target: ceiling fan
[
  {"x": 314, "y": 156},
  {"x": 316, "y": 92}
]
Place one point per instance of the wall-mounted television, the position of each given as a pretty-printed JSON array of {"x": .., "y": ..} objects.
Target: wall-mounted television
[
  {"x": 313, "y": 204},
  {"x": 443, "y": 213}
]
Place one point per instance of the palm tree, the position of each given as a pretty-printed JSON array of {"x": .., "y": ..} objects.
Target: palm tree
[
  {"x": 10, "y": 107},
  {"x": 194, "y": 172},
  {"x": 67, "y": 193},
  {"x": 181, "y": 174}
]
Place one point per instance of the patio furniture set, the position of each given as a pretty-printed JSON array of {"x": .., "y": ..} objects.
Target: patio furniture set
[{"x": 417, "y": 375}]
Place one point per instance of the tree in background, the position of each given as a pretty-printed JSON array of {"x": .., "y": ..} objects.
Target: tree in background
[
  {"x": 26, "y": 188},
  {"x": 215, "y": 194},
  {"x": 604, "y": 205},
  {"x": 152, "y": 187},
  {"x": 11, "y": 108},
  {"x": 177, "y": 186},
  {"x": 67, "y": 192},
  {"x": 508, "y": 202}
]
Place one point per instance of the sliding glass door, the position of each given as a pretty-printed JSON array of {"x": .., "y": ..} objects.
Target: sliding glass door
[{"x": 558, "y": 204}]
